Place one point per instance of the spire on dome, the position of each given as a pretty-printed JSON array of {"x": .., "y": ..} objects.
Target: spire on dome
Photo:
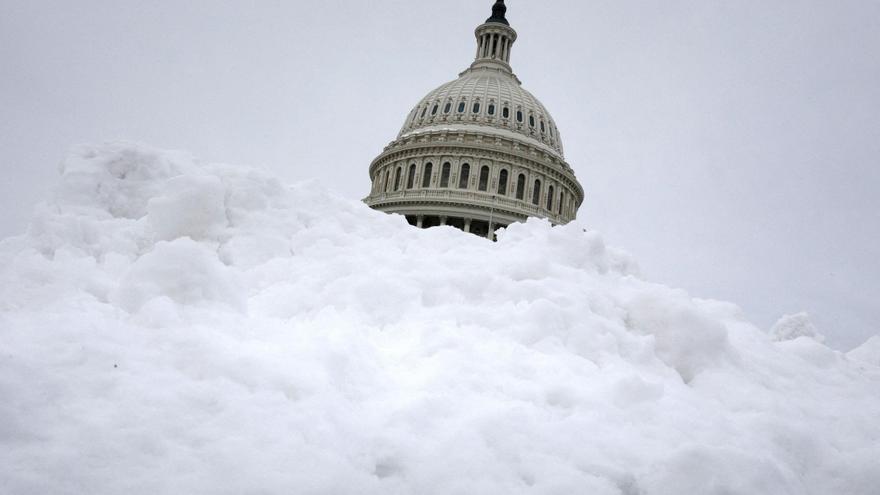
[
  {"x": 498, "y": 13},
  {"x": 495, "y": 38}
]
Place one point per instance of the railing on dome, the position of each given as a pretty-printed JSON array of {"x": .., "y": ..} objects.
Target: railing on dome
[{"x": 472, "y": 197}]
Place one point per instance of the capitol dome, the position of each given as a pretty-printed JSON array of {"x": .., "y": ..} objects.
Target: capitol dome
[
  {"x": 504, "y": 104},
  {"x": 479, "y": 152}
]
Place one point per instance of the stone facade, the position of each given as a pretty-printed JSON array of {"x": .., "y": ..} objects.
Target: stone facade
[{"x": 479, "y": 152}]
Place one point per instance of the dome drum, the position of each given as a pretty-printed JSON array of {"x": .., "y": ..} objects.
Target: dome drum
[{"x": 473, "y": 182}]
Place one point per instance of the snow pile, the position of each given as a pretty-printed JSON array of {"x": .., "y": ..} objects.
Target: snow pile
[
  {"x": 869, "y": 352},
  {"x": 791, "y": 327},
  {"x": 175, "y": 327}
]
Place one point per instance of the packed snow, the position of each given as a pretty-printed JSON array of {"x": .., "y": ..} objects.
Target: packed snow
[{"x": 170, "y": 326}]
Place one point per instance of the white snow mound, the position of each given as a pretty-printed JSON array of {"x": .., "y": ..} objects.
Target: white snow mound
[
  {"x": 169, "y": 326},
  {"x": 791, "y": 327},
  {"x": 869, "y": 352}
]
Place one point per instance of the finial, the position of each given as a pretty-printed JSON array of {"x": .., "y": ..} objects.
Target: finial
[{"x": 498, "y": 12}]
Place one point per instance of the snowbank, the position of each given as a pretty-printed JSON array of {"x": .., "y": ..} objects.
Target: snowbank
[{"x": 169, "y": 326}]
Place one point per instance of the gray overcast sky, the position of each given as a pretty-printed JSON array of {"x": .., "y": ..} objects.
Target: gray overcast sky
[{"x": 732, "y": 147}]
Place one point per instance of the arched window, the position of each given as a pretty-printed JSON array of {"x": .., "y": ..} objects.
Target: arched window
[
  {"x": 464, "y": 176},
  {"x": 561, "y": 202},
  {"x": 426, "y": 175},
  {"x": 397, "y": 179},
  {"x": 447, "y": 108},
  {"x": 491, "y": 109},
  {"x": 387, "y": 181},
  {"x": 411, "y": 178},
  {"x": 484, "y": 178},
  {"x": 519, "y": 116},
  {"x": 550, "y": 199},
  {"x": 551, "y": 130},
  {"x": 536, "y": 193},
  {"x": 461, "y": 107},
  {"x": 505, "y": 112},
  {"x": 543, "y": 129},
  {"x": 531, "y": 121},
  {"x": 424, "y": 111},
  {"x": 521, "y": 187},
  {"x": 502, "y": 183},
  {"x": 444, "y": 174},
  {"x": 476, "y": 107},
  {"x": 434, "y": 110}
]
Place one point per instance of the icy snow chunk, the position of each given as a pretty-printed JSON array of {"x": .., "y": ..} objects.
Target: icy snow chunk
[
  {"x": 790, "y": 327},
  {"x": 190, "y": 206},
  {"x": 183, "y": 271},
  {"x": 116, "y": 178}
]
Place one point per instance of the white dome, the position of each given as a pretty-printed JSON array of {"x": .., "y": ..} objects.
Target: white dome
[
  {"x": 482, "y": 97},
  {"x": 479, "y": 152}
]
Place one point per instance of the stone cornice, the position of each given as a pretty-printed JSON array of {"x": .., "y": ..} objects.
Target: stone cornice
[{"x": 464, "y": 200}]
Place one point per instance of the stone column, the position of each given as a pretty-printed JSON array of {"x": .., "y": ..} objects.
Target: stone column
[
  {"x": 420, "y": 221},
  {"x": 442, "y": 220},
  {"x": 467, "y": 224}
]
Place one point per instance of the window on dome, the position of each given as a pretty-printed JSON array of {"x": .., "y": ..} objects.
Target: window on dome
[
  {"x": 447, "y": 108},
  {"x": 477, "y": 107},
  {"x": 426, "y": 175},
  {"x": 461, "y": 107},
  {"x": 561, "y": 202},
  {"x": 531, "y": 121},
  {"x": 550, "y": 199},
  {"x": 543, "y": 129},
  {"x": 505, "y": 112},
  {"x": 551, "y": 130},
  {"x": 484, "y": 178},
  {"x": 521, "y": 187},
  {"x": 502, "y": 183},
  {"x": 411, "y": 178},
  {"x": 387, "y": 180},
  {"x": 397, "y": 179},
  {"x": 434, "y": 110},
  {"x": 491, "y": 109},
  {"x": 444, "y": 174},
  {"x": 424, "y": 111},
  {"x": 464, "y": 176},
  {"x": 536, "y": 193},
  {"x": 519, "y": 116}
]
